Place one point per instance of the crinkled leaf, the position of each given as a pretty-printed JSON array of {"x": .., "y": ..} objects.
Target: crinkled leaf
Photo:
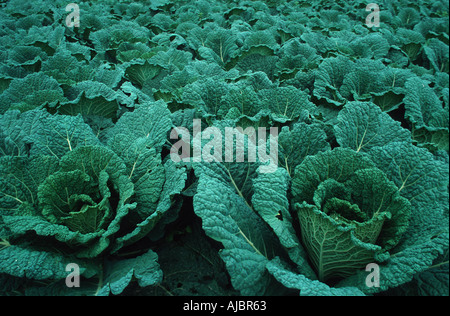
[
  {"x": 39, "y": 133},
  {"x": 119, "y": 274},
  {"x": 303, "y": 140},
  {"x": 362, "y": 125},
  {"x": 423, "y": 107},
  {"x": 31, "y": 92},
  {"x": 330, "y": 77},
  {"x": 33, "y": 264},
  {"x": 306, "y": 286},
  {"x": 151, "y": 122},
  {"x": 20, "y": 178},
  {"x": 228, "y": 218},
  {"x": 286, "y": 103}
]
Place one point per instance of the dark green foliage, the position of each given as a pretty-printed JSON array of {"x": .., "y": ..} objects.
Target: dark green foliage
[{"x": 87, "y": 118}]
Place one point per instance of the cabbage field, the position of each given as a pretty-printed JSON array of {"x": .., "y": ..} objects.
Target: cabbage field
[{"x": 224, "y": 148}]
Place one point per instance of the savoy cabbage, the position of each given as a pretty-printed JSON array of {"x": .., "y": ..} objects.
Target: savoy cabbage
[{"x": 355, "y": 200}]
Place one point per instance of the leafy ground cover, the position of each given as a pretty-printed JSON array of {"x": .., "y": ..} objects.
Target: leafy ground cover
[{"x": 355, "y": 200}]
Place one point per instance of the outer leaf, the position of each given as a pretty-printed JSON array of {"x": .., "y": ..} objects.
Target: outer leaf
[
  {"x": 31, "y": 92},
  {"x": 423, "y": 107},
  {"x": 145, "y": 269},
  {"x": 174, "y": 181},
  {"x": 33, "y": 264},
  {"x": 307, "y": 287},
  {"x": 435, "y": 280},
  {"x": 260, "y": 38},
  {"x": 141, "y": 71},
  {"x": 242, "y": 97},
  {"x": 20, "y": 225},
  {"x": 286, "y": 103},
  {"x": 172, "y": 60},
  {"x": 296, "y": 55},
  {"x": 151, "y": 122},
  {"x": 206, "y": 95},
  {"x": 228, "y": 218},
  {"x": 373, "y": 45},
  {"x": 20, "y": 178},
  {"x": 437, "y": 53},
  {"x": 66, "y": 69},
  {"x": 363, "y": 125},
  {"x": 219, "y": 46},
  {"x": 420, "y": 178},
  {"x": 271, "y": 202},
  {"x": 257, "y": 59},
  {"x": 40, "y": 133},
  {"x": 330, "y": 77},
  {"x": 296, "y": 144},
  {"x": 96, "y": 106}
]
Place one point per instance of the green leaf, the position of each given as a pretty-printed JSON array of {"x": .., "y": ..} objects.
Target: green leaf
[
  {"x": 50, "y": 35},
  {"x": 94, "y": 89},
  {"x": 296, "y": 144},
  {"x": 435, "y": 280},
  {"x": 437, "y": 53},
  {"x": 21, "y": 225},
  {"x": 154, "y": 183},
  {"x": 101, "y": 203},
  {"x": 39, "y": 133},
  {"x": 206, "y": 95},
  {"x": 260, "y": 38},
  {"x": 436, "y": 140},
  {"x": 88, "y": 107},
  {"x": 297, "y": 55},
  {"x": 409, "y": 16},
  {"x": 61, "y": 195},
  {"x": 110, "y": 37},
  {"x": 330, "y": 77},
  {"x": 373, "y": 45},
  {"x": 423, "y": 180},
  {"x": 286, "y": 103},
  {"x": 150, "y": 121},
  {"x": 271, "y": 203},
  {"x": 362, "y": 125},
  {"x": 219, "y": 46},
  {"x": 420, "y": 177},
  {"x": 423, "y": 107},
  {"x": 339, "y": 164},
  {"x": 228, "y": 218},
  {"x": 20, "y": 178},
  {"x": 66, "y": 69},
  {"x": 141, "y": 71},
  {"x": 24, "y": 262},
  {"x": 26, "y": 55},
  {"x": 335, "y": 251},
  {"x": 172, "y": 59},
  {"x": 152, "y": 212},
  {"x": 428, "y": 114},
  {"x": 410, "y": 42},
  {"x": 306, "y": 286},
  {"x": 241, "y": 97},
  {"x": 257, "y": 59},
  {"x": 361, "y": 81},
  {"x": 33, "y": 91},
  {"x": 119, "y": 274}
]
